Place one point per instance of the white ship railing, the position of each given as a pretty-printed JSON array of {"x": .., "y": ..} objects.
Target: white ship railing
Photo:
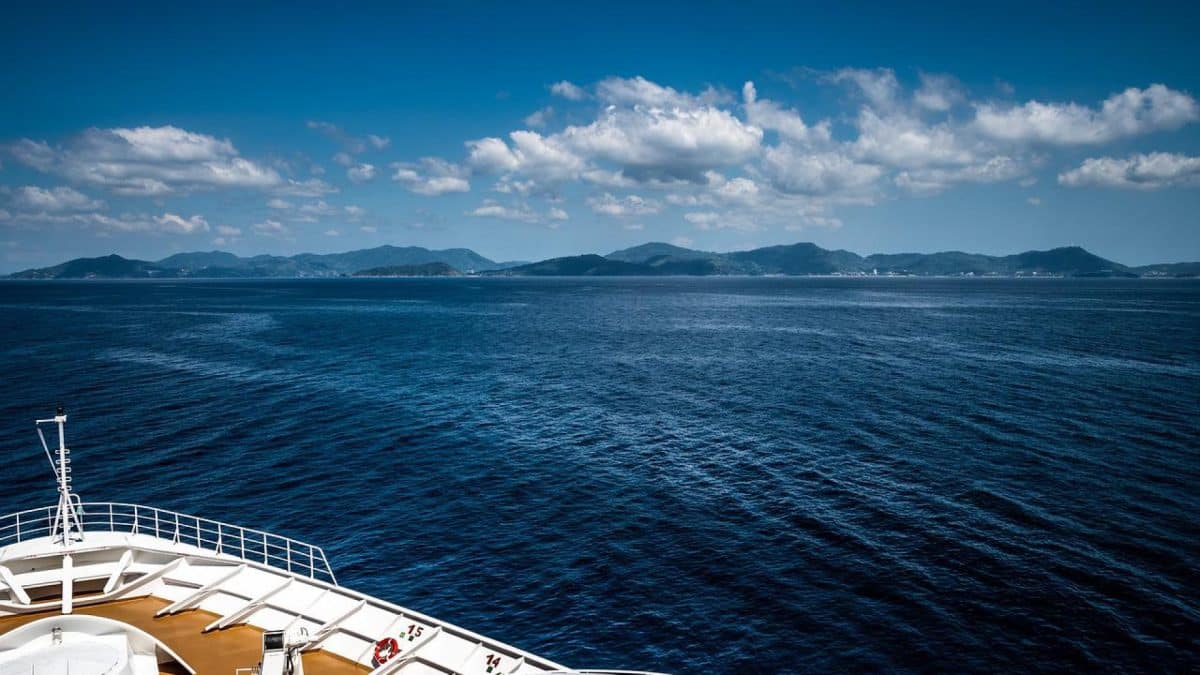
[{"x": 257, "y": 546}]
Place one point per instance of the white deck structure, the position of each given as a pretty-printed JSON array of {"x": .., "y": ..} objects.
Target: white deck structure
[{"x": 76, "y": 555}]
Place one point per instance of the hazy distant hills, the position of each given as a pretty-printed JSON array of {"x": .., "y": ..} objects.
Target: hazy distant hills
[
  {"x": 1069, "y": 261},
  {"x": 462, "y": 259},
  {"x": 107, "y": 267},
  {"x": 640, "y": 254},
  {"x": 601, "y": 266},
  {"x": 798, "y": 259},
  {"x": 652, "y": 259},
  {"x": 807, "y": 258},
  {"x": 220, "y": 264},
  {"x": 1187, "y": 269},
  {"x": 433, "y": 269}
]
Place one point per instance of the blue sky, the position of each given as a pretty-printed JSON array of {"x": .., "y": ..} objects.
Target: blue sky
[{"x": 526, "y": 131}]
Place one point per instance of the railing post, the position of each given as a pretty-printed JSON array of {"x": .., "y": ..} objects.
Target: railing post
[
  {"x": 265, "y": 556},
  {"x": 289, "y": 554},
  {"x": 156, "y": 523},
  {"x": 242, "y": 538},
  {"x": 111, "y": 527},
  {"x": 198, "y": 539},
  {"x": 176, "y": 538},
  {"x": 18, "y": 527},
  {"x": 218, "y": 537},
  {"x": 135, "y": 519},
  {"x": 328, "y": 569}
]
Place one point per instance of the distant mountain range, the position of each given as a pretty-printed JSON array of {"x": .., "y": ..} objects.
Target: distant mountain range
[
  {"x": 652, "y": 259},
  {"x": 219, "y": 264},
  {"x": 655, "y": 259}
]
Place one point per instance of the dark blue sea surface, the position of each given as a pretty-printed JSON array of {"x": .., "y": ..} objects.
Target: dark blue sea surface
[{"x": 690, "y": 475}]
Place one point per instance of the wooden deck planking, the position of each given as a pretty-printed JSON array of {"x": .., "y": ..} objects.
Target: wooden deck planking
[{"x": 218, "y": 652}]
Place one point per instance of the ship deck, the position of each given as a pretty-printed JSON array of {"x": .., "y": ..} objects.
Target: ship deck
[
  {"x": 206, "y": 591},
  {"x": 217, "y": 587},
  {"x": 213, "y": 653}
]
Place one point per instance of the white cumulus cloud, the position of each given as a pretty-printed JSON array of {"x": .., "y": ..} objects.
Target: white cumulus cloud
[
  {"x": 796, "y": 172},
  {"x": 519, "y": 211},
  {"x": 271, "y": 228},
  {"x": 539, "y": 118},
  {"x": 1151, "y": 171},
  {"x": 531, "y": 153},
  {"x": 938, "y": 93},
  {"x": 879, "y": 86},
  {"x": 431, "y": 177},
  {"x": 147, "y": 161},
  {"x": 33, "y": 198},
  {"x": 657, "y": 143},
  {"x": 568, "y": 91},
  {"x": 169, "y": 222},
  {"x": 312, "y": 187},
  {"x": 1130, "y": 113},
  {"x": 787, "y": 123},
  {"x": 899, "y": 140},
  {"x": 361, "y": 173},
  {"x": 640, "y": 91},
  {"x": 630, "y": 205},
  {"x": 992, "y": 170}
]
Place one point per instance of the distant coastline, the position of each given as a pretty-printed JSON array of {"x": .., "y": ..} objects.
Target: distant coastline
[{"x": 652, "y": 259}]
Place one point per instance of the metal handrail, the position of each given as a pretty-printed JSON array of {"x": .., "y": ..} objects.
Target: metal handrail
[{"x": 247, "y": 544}]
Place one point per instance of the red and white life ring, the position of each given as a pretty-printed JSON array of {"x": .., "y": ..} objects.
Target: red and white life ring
[{"x": 385, "y": 649}]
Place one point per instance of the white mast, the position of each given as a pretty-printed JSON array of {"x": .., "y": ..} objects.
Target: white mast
[{"x": 67, "y": 527}]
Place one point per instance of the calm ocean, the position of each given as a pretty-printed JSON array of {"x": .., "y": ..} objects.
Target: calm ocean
[{"x": 692, "y": 475}]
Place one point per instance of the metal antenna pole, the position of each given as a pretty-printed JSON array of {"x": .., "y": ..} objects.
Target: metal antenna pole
[{"x": 66, "y": 527}]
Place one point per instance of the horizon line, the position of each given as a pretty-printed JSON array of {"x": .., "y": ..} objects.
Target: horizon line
[{"x": 605, "y": 255}]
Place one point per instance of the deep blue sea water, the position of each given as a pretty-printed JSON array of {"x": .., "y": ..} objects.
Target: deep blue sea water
[{"x": 691, "y": 475}]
